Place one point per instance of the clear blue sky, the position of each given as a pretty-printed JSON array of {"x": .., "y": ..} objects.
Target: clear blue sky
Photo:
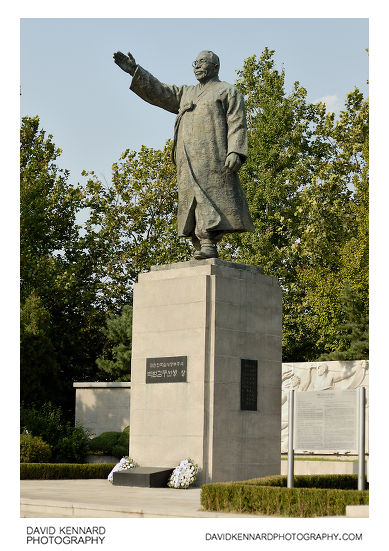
[{"x": 69, "y": 79}]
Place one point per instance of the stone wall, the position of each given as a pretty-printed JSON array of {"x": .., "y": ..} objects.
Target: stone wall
[{"x": 102, "y": 407}]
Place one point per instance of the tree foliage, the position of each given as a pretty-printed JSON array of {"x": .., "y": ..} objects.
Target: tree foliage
[
  {"x": 115, "y": 363},
  {"x": 59, "y": 317},
  {"x": 353, "y": 329},
  {"x": 132, "y": 221},
  {"x": 39, "y": 373},
  {"x": 334, "y": 245}
]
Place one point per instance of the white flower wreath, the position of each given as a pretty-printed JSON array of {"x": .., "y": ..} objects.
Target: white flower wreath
[
  {"x": 183, "y": 475},
  {"x": 124, "y": 464}
]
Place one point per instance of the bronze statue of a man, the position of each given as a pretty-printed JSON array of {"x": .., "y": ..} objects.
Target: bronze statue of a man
[{"x": 210, "y": 145}]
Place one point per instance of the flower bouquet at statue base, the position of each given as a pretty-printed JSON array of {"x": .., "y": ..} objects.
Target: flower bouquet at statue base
[
  {"x": 183, "y": 475},
  {"x": 125, "y": 464}
]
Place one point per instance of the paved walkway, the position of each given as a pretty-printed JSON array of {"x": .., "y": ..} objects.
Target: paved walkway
[{"x": 100, "y": 499}]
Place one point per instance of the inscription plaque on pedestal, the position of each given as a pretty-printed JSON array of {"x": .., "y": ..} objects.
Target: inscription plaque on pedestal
[
  {"x": 326, "y": 420},
  {"x": 248, "y": 385},
  {"x": 166, "y": 370}
]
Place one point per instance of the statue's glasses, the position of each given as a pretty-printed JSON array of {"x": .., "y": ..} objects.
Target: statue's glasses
[{"x": 200, "y": 62}]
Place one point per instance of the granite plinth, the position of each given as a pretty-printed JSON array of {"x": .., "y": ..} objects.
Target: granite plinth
[
  {"x": 143, "y": 477},
  {"x": 218, "y": 316}
]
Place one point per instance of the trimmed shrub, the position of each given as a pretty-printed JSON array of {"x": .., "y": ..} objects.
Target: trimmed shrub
[
  {"x": 124, "y": 439},
  {"x": 336, "y": 481},
  {"x": 119, "y": 451},
  {"x": 122, "y": 447},
  {"x": 57, "y": 471},
  {"x": 104, "y": 442},
  {"x": 111, "y": 443},
  {"x": 269, "y": 496},
  {"x": 33, "y": 449}
]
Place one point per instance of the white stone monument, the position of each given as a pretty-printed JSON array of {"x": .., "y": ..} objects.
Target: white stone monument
[
  {"x": 206, "y": 369},
  {"x": 322, "y": 377}
]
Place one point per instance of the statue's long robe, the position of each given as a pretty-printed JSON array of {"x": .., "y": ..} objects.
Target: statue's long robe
[{"x": 210, "y": 124}]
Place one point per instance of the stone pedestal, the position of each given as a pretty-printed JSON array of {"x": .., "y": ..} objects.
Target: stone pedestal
[
  {"x": 195, "y": 325},
  {"x": 142, "y": 477}
]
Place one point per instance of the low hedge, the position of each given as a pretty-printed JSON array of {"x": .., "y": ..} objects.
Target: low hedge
[
  {"x": 335, "y": 481},
  {"x": 312, "y": 496},
  {"x": 57, "y": 471}
]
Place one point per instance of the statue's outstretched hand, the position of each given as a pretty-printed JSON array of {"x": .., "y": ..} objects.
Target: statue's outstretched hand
[
  {"x": 233, "y": 162},
  {"x": 126, "y": 62}
]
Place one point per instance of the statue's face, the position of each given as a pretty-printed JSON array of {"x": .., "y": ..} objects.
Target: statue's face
[{"x": 203, "y": 67}]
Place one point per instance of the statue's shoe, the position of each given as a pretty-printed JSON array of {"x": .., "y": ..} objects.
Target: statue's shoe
[{"x": 208, "y": 251}]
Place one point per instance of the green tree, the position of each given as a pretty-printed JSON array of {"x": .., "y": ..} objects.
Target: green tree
[
  {"x": 132, "y": 222},
  {"x": 334, "y": 248},
  {"x": 115, "y": 364},
  {"x": 39, "y": 370},
  {"x": 56, "y": 274},
  {"x": 48, "y": 208},
  {"x": 353, "y": 329}
]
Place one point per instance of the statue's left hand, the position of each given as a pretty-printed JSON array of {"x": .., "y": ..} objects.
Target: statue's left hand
[{"x": 233, "y": 162}]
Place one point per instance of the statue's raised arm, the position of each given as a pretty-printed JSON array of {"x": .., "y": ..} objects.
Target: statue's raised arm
[{"x": 125, "y": 62}]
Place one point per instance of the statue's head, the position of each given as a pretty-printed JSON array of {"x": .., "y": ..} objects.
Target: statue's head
[{"x": 206, "y": 65}]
